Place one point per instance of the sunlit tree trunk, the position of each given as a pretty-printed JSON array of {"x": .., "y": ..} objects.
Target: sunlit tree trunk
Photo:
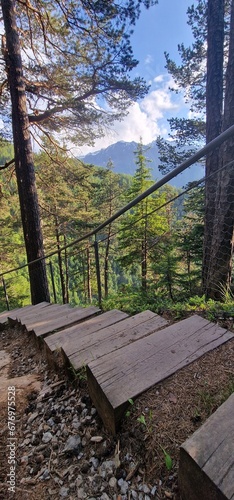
[
  {"x": 219, "y": 278},
  {"x": 23, "y": 157},
  {"x": 214, "y": 108}
]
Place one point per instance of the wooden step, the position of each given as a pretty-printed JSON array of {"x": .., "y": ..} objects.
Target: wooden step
[
  {"x": 67, "y": 318},
  {"x": 127, "y": 372},
  {"x": 15, "y": 315},
  {"x": 72, "y": 339},
  {"x": 113, "y": 337},
  {"x": 34, "y": 319},
  {"x": 206, "y": 469},
  {"x": 4, "y": 316}
]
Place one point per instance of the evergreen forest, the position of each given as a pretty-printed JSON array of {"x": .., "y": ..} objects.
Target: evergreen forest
[
  {"x": 152, "y": 253},
  {"x": 173, "y": 250}
]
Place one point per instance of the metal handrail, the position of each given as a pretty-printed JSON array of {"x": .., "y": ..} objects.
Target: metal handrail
[{"x": 178, "y": 170}]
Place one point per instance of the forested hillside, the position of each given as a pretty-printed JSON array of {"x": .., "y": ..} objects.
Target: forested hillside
[
  {"x": 157, "y": 250},
  {"x": 122, "y": 155},
  {"x": 75, "y": 86}
]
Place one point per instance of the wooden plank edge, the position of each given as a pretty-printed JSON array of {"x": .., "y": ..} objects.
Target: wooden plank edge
[
  {"x": 194, "y": 484},
  {"x": 72, "y": 357},
  {"x": 111, "y": 417},
  {"x": 13, "y": 318},
  {"x": 39, "y": 313},
  {"x": 93, "y": 332},
  {"x": 49, "y": 315},
  {"x": 52, "y": 357},
  {"x": 59, "y": 329}
]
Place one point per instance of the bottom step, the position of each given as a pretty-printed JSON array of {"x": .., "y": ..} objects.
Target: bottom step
[{"x": 206, "y": 470}]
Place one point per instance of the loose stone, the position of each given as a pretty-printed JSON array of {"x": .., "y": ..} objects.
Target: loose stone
[
  {"x": 47, "y": 436},
  {"x": 73, "y": 445}
]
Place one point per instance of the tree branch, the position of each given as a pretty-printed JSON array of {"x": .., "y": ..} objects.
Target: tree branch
[{"x": 7, "y": 164}]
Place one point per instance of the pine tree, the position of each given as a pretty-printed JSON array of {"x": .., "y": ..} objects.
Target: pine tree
[
  {"x": 140, "y": 228},
  {"x": 23, "y": 157},
  {"x": 202, "y": 76},
  {"x": 109, "y": 199},
  {"x": 89, "y": 41}
]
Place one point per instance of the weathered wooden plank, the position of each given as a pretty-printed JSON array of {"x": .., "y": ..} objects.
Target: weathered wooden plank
[
  {"x": 14, "y": 315},
  {"x": 68, "y": 318},
  {"x": 5, "y": 314},
  {"x": 131, "y": 370},
  {"x": 4, "y": 317},
  {"x": 35, "y": 319},
  {"x": 206, "y": 467},
  {"x": 68, "y": 337},
  {"x": 114, "y": 337}
]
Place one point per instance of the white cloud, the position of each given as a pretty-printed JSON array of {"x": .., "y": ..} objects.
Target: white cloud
[
  {"x": 193, "y": 115},
  {"x": 157, "y": 102},
  {"x": 149, "y": 59},
  {"x": 146, "y": 119},
  {"x": 159, "y": 79}
]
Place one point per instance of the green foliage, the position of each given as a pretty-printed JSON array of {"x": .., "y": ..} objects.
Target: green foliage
[
  {"x": 81, "y": 65},
  {"x": 228, "y": 391},
  {"x": 128, "y": 412},
  {"x": 143, "y": 224},
  {"x": 142, "y": 420},
  {"x": 167, "y": 458},
  {"x": 74, "y": 198}
]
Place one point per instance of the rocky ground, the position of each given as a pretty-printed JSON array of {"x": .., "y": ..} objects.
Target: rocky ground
[{"x": 62, "y": 449}]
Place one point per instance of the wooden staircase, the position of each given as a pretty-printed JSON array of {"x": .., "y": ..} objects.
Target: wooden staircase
[{"x": 124, "y": 357}]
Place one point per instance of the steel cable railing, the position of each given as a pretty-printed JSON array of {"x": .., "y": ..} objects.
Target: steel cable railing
[{"x": 94, "y": 232}]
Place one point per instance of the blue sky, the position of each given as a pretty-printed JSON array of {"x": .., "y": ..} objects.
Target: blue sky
[{"x": 159, "y": 29}]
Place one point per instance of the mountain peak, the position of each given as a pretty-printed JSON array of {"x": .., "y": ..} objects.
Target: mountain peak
[{"x": 123, "y": 158}]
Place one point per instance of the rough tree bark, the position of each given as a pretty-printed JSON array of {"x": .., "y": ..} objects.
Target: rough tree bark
[
  {"x": 23, "y": 157},
  {"x": 219, "y": 277},
  {"x": 214, "y": 108}
]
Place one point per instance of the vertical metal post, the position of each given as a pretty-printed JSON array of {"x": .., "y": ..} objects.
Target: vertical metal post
[
  {"x": 52, "y": 279},
  {"x": 98, "y": 273},
  {"x": 5, "y": 293}
]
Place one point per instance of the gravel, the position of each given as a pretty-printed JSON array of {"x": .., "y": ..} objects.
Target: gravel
[{"x": 65, "y": 444}]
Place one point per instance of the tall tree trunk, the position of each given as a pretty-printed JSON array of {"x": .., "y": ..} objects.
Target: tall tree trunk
[
  {"x": 219, "y": 277},
  {"x": 23, "y": 157},
  {"x": 214, "y": 107}
]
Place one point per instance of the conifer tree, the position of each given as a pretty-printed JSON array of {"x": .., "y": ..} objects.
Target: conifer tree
[
  {"x": 140, "y": 227},
  {"x": 204, "y": 74},
  {"x": 109, "y": 199},
  {"x": 73, "y": 78}
]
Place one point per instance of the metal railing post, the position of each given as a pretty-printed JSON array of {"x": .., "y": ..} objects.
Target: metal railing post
[
  {"x": 5, "y": 293},
  {"x": 98, "y": 273},
  {"x": 52, "y": 280},
  {"x": 227, "y": 134}
]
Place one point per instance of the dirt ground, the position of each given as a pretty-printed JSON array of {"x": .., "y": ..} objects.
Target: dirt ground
[{"x": 159, "y": 421}]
